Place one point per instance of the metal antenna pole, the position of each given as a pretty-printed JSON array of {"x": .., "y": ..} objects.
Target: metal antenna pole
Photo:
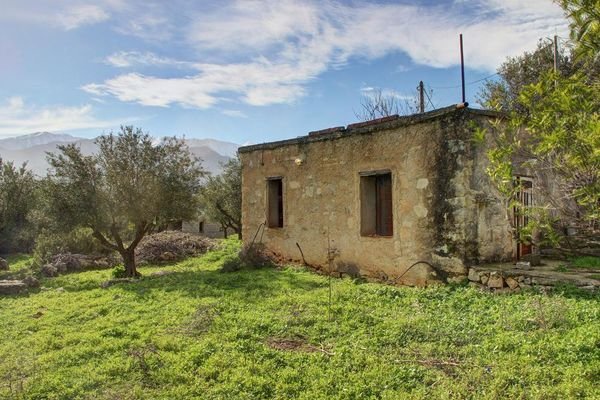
[
  {"x": 462, "y": 69},
  {"x": 421, "y": 97}
]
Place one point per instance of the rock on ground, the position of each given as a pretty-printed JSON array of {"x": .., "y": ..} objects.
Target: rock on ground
[
  {"x": 3, "y": 264},
  {"x": 12, "y": 287}
]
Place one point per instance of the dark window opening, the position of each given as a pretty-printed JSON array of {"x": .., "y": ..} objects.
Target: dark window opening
[
  {"x": 275, "y": 203},
  {"x": 376, "y": 204},
  {"x": 521, "y": 211},
  {"x": 201, "y": 227}
]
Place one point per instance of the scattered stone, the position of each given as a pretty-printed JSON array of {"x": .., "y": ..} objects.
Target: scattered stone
[
  {"x": 3, "y": 264},
  {"x": 526, "y": 280},
  {"x": 512, "y": 282},
  {"x": 60, "y": 290},
  {"x": 12, "y": 287},
  {"x": 523, "y": 265},
  {"x": 495, "y": 281},
  {"x": 473, "y": 275},
  {"x": 49, "y": 270},
  {"x": 31, "y": 281}
]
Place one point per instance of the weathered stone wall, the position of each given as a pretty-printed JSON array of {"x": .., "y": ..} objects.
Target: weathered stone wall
[
  {"x": 446, "y": 214},
  {"x": 211, "y": 229}
]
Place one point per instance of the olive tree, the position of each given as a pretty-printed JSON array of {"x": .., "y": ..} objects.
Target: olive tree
[
  {"x": 126, "y": 190},
  {"x": 221, "y": 197},
  {"x": 17, "y": 199}
]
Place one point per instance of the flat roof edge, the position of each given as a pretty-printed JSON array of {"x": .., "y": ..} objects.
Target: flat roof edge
[{"x": 390, "y": 122}]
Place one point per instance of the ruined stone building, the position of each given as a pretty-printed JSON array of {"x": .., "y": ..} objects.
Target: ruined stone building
[{"x": 401, "y": 199}]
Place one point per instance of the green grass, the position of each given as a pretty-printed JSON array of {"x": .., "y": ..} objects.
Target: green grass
[
  {"x": 586, "y": 262},
  {"x": 18, "y": 265},
  {"x": 199, "y": 333}
]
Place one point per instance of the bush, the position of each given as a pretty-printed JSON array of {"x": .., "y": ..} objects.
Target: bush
[
  {"x": 78, "y": 241},
  {"x": 118, "y": 272},
  {"x": 250, "y": 257}
]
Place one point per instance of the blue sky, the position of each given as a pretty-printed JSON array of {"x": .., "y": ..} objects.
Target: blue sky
[{"x": 244, "y": 71}]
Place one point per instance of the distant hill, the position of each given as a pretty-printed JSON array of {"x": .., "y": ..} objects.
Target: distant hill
[
  {"x": 33, "y": 148},
  {"x": 35, "y": 139}
]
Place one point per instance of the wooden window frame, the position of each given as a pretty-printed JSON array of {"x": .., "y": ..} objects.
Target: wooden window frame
[
  {"x": 376, "y": 204},
  {"x": 275, "y": 198}
]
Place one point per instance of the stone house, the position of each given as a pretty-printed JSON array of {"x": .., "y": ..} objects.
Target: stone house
[
  {"x": 204, "y": 227},
  {"x": 399, "y": 199}
]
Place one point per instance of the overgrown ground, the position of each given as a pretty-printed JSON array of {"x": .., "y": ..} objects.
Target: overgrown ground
[{"x": 200, "y": 333}]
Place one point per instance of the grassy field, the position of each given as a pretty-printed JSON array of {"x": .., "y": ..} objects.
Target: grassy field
[{"x": 200, "y": 333}]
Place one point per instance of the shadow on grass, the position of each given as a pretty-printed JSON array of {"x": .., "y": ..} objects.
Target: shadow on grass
[{"x": 249, "y": 285}]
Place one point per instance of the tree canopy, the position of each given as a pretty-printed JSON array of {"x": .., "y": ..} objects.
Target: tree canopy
[
  {"x": 125, "y": 191},
  {"x": 553, "y": 126},
  {"x": 221, "y": 196},
  {"x": 17, "y": 198}
]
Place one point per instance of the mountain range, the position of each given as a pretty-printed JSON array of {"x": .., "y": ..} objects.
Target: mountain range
[{"x": 32, "y": 149}]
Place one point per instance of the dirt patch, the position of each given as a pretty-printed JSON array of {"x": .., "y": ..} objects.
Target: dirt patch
[{"x": 296, "y": 344}]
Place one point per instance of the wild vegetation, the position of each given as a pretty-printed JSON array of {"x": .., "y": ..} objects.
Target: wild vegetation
[
  {"x": 192, "y": 331},
  {"x": 553, "y": 130},
  {"x": 221, "y": 197},
  {"x": 130, "y": 188}
]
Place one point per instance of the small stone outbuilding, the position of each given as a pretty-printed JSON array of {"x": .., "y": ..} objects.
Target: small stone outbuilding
[{"x": 399, "y": 199}]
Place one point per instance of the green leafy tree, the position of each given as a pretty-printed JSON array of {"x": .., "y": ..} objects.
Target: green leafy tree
[
  {"x": 553, "y": 126},
  {"x": 584, "y": 16},
  {"x": 518, "y": 72},
  {"x": 222, "y": 197},
  {"x": 125, "y": 191},
  {"x": 17, "y": 199}
]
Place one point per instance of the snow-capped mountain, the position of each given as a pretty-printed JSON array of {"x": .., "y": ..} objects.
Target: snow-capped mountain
[
  {"x": 33, "y": 148},
  {"x": 35, "y": 139}
]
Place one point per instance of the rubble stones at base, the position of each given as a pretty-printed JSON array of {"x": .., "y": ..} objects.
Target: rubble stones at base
[
  {"x": 496, "y": 281},
  {"x": 3, "y": 264},
  {"x": 512, "y": 282},
  {"x": 484, "y": 278},
  {"x": 473, "y": 275}
]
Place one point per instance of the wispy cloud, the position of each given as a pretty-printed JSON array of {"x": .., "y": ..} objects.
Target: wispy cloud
[
  {"x": 79, "y": 15},
  {"x": 266, "y": 52},
  {"x": 234, "y": 113},
  {"x": 370, "y": 91},
  {"x": 127, "y": 59},
  {"x": 18, "y": 118}
]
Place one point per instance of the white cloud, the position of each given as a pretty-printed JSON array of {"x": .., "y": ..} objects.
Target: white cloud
[
  {"x": 150, "y": 26},
  {"x": 126, "y": 59},
  {"x": 269, "y": 50},
  {"x": 18, "y": 118},
  {"x": 79, "y": 15}
]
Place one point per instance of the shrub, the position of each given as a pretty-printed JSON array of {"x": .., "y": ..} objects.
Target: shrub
[
  {"x": 252, "y": 256},
  {"x": 118, "y": 272},
  {"x": 78, "y": 241}
]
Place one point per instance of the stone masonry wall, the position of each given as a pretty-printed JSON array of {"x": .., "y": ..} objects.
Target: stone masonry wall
[{"x": 446, "y": 215}]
